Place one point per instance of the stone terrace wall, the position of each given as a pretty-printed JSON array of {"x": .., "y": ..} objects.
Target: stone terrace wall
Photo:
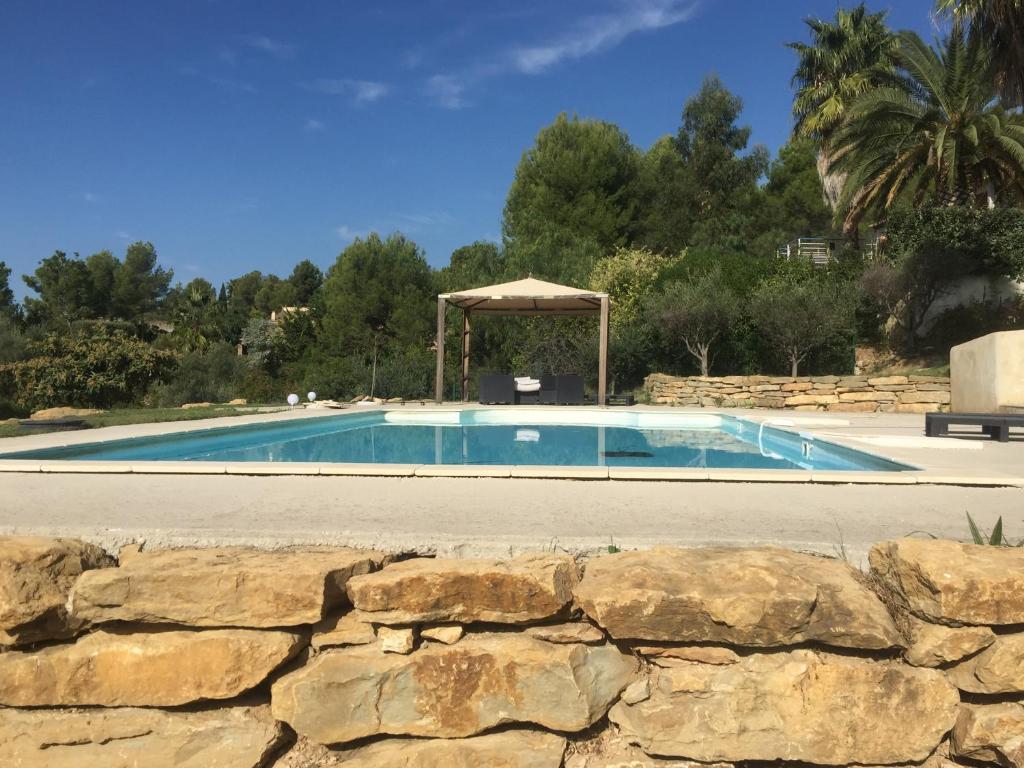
[
  {"x": 860, "y": 394},
  {"x": 312, "y": 658}
]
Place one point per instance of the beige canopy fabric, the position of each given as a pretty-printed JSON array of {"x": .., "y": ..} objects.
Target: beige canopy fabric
[
  {"x": 521, "y": 298},
  {"x": 527, "y": 297}
]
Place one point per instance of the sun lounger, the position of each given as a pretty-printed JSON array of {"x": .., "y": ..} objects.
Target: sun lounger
[{"x": 995, "y": 425}]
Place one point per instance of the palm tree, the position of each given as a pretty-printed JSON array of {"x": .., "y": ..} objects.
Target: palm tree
[
  {"x": 845, "y": 59},
  {"x": 937, "y": 134},
  {"x": 1001, "y": 22}
]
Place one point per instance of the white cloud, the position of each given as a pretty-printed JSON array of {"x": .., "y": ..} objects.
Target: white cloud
[
  {"x": 588, "y": 36},
  {"x": 594, "y": 34},
  {"x": 275, "y": 48},
  {"x": 360, "y": 91},
  {"x": 347, "y": 234},
  {"x": 122, "y": 235},
  {"x": 312, "y": 125},
  {"x": 447, "y": 90}
]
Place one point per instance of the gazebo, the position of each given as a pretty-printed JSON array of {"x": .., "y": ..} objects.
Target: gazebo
[{"x": 521, "y": 298}]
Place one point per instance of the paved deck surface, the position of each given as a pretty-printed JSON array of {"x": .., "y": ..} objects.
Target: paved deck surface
[{"x": 501, "y": 516}]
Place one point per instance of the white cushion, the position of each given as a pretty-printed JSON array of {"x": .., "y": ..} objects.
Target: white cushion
[
  {"x": 526, "y": 380},
  {"x": 522, "y": 386}
]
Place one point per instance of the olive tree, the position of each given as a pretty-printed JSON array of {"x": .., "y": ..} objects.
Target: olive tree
[
  {"x": 798, "y": 314},
  {"x": 697, "y": 312}
]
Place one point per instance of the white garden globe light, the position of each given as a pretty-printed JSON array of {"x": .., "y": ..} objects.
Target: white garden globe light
[
  {"x": 311, "y": 396},
  {"x": 293, "y": 399}
]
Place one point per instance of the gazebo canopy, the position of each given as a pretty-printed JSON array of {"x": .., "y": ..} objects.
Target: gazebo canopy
[
  {"x": 522, "y": 298},
  {"x": 527, "y": 297}
]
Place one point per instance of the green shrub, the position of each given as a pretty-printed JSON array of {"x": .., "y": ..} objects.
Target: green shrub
[
  {"x": 214, "y": 376},
  {"x": 98, "y": 372},
  {"x": 959, "y": 324}
]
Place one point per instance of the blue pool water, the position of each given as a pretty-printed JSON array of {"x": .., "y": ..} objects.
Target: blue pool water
[{"x": 510, "y": 436}]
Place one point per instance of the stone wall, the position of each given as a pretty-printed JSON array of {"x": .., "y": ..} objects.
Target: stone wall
[
  {"x": 852, "y": 394},
  {"x": 330, "y": 657}
]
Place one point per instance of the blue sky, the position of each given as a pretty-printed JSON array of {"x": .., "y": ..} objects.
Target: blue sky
[{"x": 249, "y": 134}]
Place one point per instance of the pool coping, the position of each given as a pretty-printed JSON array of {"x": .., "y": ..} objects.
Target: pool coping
[{"x": 922, "y": 476}]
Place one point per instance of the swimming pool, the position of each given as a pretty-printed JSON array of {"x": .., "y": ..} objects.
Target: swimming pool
[{"x": 573, "y": 437}]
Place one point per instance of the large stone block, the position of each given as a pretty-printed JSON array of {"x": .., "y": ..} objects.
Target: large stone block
[
  {"x": 444, "y": 691},
  {"x": 158, "y": 669},
  {"x": 509, "y": 749},
  {"x": 221, "y": 587},
  {"x": 758, "y": 597},
  {"x": 987, "y": 374},
  {"x": 522, "y": 590},
  {"x": 949, "y": 582},
  {"x": 796, "y": 400},
  {"x": 36, "y": 575},
  {"x": 997, "y": 669},
  {"x": 934, "y": 644},
  {"x": 990, "y": 733},
  {"x": 234, "y": 737},
  {"x": 800, "y": 706},
  {"x": 924, "y": 397}
]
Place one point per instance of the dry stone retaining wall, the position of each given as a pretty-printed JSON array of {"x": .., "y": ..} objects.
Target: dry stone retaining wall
[
  {"x": 851, "y": 394},
  {"x": 311, "y": 658}
]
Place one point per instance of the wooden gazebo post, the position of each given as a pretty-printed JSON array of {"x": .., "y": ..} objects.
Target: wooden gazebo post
[
  {"x": 465, "y": 355},
  {"x": 439, "y": 372},
  {"x": 602, "y": 359}
]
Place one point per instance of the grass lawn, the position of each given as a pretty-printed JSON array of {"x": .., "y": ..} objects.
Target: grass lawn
[{"x": 118, "y": 416}]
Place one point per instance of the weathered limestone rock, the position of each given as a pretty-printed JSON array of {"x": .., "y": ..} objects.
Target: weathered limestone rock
[
  {"x": 755, "y": 597},
  {"x": 935, "y": 644},
  {"x": 797, "y": 400},
  {"x": 64, "y": 412},
  {"x": 397, "y": 639},
  {"x": 574, "y": 632},
  {"x": 352, "y": 628},
  {"x": 821, "y": 709},
  {"x": 879, "y": 381},
  {"x": 945, "y": 581},
  {"x": 36, "y": 575},
  {"x": 516, "y": 591},
  {"x": 444, "y": 633},
  {"x": 221, "y": 587},
  {"x": 704, "y": 654},
  {"x": 991, "y": 733},
  {"x": 510, "y": 749},
  {"x": 234, "y": 737},
  {"x": 997, "y": 669},
  {"x": 610, "y": 750},
  {"x": 483, "y": 681},
  {"x": 159, "y": 669}
]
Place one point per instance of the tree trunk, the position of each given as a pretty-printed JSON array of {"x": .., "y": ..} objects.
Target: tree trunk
[
  {"x": 831, "y": 182},
  {"x": 705, "y": 366},
  {"x": 794, "y": 364}
]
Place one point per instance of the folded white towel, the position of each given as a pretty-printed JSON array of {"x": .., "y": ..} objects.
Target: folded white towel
[
  {"x": 526, "y": 380},
  {"x": 533, "y": 386}
]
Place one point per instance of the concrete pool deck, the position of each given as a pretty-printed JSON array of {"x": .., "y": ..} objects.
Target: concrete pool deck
[{"x": 509, "y": 510}]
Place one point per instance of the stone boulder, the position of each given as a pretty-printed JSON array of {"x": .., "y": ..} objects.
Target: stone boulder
[
  {"x": 351, "y": 628},
  {"x": 997, "y": 669},
  {"x": 509, "y": 749},
  {"x": 801, "y": 706},
  {"x": 608, "y": 749},
  {"x": 934, "y": 644},
  {"x": 224, "y": 587},
  {"x": 158, "y": 669},
  {"x": 705, "y": 654},
  {"x": 758, "y": 597},
  {"x": 63, "y": 412},
  {"x": 522, "y": 590},
  {"x": 575, "y": 632},
  {"x": 949, "y": 582},
  {"x": 36, "y": 575},
  {"x": 991, "y": 733},
  {"x": 234, "y": 737},
  {"x": 483, "y": 681}
]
